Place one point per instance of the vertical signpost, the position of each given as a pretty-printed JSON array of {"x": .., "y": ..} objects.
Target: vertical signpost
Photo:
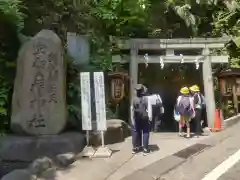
[
  {"x": 99, "y": 90},
  {"x": 86, "y": 110}
]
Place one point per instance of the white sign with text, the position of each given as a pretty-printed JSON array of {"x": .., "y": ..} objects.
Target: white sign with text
[
  {"x": 86, "y": 101},
  {"x": 100, "y": 101}
]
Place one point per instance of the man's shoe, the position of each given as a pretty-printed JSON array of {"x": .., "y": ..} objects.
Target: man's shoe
[
  {"x": 146, "y": 152},
  {"x": 136, "y": 150}
]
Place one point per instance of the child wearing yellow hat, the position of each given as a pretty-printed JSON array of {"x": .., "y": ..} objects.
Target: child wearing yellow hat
[
  {"x": 185, "y": 108},
  {"x": 199, "y": 104}
]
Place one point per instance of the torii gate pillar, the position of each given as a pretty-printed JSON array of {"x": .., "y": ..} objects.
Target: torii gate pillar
[
  {"x": 208, "y": 88},
  {"x": 133, "y": 75}
]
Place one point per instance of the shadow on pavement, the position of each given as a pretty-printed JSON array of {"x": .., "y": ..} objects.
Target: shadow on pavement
[{"x": 154, "y": 147}]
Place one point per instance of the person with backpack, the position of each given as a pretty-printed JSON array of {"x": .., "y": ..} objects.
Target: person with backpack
[
  {"x": 141, "y": 121},
  {"x": 157, "y": 110},
  {"x": 199, "y": 103},
  {"x": 185, "y": 108}
]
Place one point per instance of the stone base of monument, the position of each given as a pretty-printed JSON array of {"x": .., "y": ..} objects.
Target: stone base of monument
[
  {"x": 117, "y": 131},
  {"x": 19, "y": 151},
  {"x": 88, "y": 151},
  {"x": 103, "y": 152}
]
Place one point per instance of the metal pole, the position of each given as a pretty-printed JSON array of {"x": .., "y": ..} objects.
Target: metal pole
[
  {"x": 102, "y": 135},
  {"x": 87, "y": 137}
]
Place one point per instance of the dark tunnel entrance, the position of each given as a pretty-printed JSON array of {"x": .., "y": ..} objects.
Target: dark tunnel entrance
[{"x": 167, "y": 82}]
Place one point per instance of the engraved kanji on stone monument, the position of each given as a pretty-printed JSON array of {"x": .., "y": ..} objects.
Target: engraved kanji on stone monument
[{"x": 39, "y": 102}]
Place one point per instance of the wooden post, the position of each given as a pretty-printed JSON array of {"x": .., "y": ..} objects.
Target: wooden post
[
  {"x": 133, "y": 75},
  {"x": 235, "y": 99},
  {"x": 208, "y": 88}
]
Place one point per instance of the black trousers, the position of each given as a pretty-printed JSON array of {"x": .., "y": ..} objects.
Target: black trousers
[
  {"x": 140, "y": 133},
  {"x": 197, "y": 121},
  {"x": 156, "y": 122},
  {"x": 156, "y": 118}
]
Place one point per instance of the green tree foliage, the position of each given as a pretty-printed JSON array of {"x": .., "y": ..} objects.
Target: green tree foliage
[
  {"x": 183, "y": 18},
  {"x": 227, "y": 22},
  {"x": 11, "y": 11},
  {"x": 101, "y": 21},
  {"x": 212, "y": 18},
  {"x": 11, "y": 22}
]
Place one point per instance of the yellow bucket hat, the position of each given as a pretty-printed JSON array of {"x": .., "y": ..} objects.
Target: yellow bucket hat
[
  {"x": 194, "y": 88},
  {"x": 184, "y": 90}
]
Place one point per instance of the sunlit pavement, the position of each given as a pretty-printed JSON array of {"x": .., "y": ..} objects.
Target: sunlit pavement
[
  {"x": 173, "y": 158},
  {"x": 219, "y": 161},
  {"x": 123, "y": 163}
]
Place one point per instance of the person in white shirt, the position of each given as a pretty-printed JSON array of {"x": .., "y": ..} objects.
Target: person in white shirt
[{"x": 155, "y": 111}]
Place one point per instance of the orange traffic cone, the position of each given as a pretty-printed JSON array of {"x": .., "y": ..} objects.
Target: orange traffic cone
[{"x": 217, "y": 123}]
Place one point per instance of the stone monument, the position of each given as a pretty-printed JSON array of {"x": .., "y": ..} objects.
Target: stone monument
[
  {"x": 39, "y": 111},
  {"x": 39, "y": 98}
]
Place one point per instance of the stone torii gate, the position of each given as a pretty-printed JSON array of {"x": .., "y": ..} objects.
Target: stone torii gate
[{"x": 169, "y": 46}]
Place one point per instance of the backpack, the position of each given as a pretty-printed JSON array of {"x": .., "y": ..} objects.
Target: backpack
[
  {"x": 199, "y": 101},
  {"x": 184, "y": 106},
  {"x": 140, "y": 107}
]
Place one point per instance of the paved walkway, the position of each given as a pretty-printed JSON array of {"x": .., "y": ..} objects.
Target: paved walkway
[
  {"x": 219, "y": 156},
  {"x": 123, "y": 163}
]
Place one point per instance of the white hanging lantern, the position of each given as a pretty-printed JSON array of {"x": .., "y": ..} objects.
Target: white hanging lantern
[
  {"x": 197, "y": 62},
  {"x": 146, "y": 59},
  {"x": 161, "y": 63},
  {"x": 182, "y": 59}
]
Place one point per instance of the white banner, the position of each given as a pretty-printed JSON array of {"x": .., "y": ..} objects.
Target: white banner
[
  {"x": 86, "y": 101},
  {"x": 100, "y": 101}
]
